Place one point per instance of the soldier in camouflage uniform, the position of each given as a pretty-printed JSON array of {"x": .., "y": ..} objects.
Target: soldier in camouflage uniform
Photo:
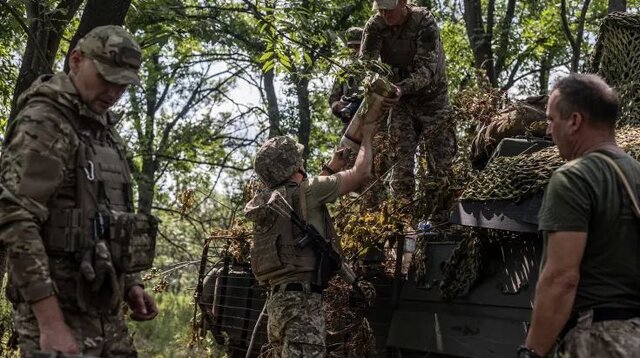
[
  {"x": 296, "y": 325},
  {"x": 345, "y": 90},
  {"x": 407, "y": 38},
  {"x": 588, "y": 292},
  {"x": 63, "y": 175}
]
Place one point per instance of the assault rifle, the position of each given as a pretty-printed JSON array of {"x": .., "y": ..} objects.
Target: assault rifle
[{"x": 328, "y": 260}]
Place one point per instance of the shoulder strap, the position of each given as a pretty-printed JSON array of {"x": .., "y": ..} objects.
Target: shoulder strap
[{"x": 623, "y": 178}]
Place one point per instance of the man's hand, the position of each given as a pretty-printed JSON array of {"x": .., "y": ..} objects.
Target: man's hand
[
  {"x": 142, "y": 305},
  {"x": 338, "y": 106},
  {"x": 340, "y": 159},
  {"x": 389, "y": 102},
  {"x": 57, "y": 337}
]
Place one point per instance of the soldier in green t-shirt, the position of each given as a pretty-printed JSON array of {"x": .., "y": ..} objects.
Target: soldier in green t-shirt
[{"x": 588, "y": 293}]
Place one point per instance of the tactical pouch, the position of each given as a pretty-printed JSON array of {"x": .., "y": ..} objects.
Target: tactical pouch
[
  {"x": 132, "y": 241},
  {"x": 265, "y": 259},
  {"x": 64, "y": 232}
]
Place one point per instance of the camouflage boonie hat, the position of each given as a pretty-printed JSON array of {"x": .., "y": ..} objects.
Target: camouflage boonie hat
[
  {"x": 354, "y": 35},
  {"x": 385, "y": 4},
  {"x": 115, "y": 53},
  {"x": 278, "y": 159}
]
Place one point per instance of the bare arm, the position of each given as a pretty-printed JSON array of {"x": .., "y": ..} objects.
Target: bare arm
[
  {"x": 556, "y": 289},
  {"x": 55, "y": 335},
  {"x": 352, "y": 179}
]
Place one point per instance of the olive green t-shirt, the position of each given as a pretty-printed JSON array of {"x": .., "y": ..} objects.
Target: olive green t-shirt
[
  {"x": 585, "y": 195},
  {"x": 320, "y": 191}
]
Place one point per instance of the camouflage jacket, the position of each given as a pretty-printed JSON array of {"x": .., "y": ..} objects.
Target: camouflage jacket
[
  {"x": 39, "y": 154},
  {"x": 413, "y": 50},
  {"x": 344, "y": 87}
]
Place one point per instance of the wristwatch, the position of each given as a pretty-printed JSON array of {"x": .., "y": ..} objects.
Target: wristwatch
[
  {"x": 327, "y": 169},
  {"x": 526, "y": 352}
]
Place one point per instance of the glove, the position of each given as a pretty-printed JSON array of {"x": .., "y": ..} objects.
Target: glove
[
  {"x": 97, "y": 269},
  {"x": 363, "y": 294},
  {"x": 103, "y": 268}
]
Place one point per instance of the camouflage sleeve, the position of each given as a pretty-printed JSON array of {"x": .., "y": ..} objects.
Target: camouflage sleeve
[
  {"x": 371, "y": 41},
  {"x": 428, "y": 61},
  {"x": 130, "y": 280},
  {"x": 336, "y": 92},
  {"x": 31, "y": 169}
]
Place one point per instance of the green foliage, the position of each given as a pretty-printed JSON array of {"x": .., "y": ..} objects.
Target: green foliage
[
  {"x": 170, "y": 334},
  {"x": 460, "y": 72},
  {"x": 12, "y": 39}
]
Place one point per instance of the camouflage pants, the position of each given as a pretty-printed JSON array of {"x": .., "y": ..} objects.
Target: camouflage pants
[
  {"x": 409, "y": 124},
  {"x": 105, "y": 336},
  {"x": 296, "y": 325},
  {"x": 606, "y": 339}
]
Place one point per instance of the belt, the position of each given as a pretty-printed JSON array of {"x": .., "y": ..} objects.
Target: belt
[
  {"x": 296, "y": 287},
  {"x": 603, "y": 314}
]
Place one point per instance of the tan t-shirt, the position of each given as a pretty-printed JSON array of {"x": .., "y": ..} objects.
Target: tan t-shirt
[{"x": 320, "y": 191}]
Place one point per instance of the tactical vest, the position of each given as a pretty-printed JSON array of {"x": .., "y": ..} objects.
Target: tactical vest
[
  {"x": 399, "y": 49},
  {"x": 94, "y": 201},
  {"x": 274, "y": 256}
]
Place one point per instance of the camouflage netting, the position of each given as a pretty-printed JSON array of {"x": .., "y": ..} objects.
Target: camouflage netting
[
  {"x": 521, "y": 118},
  {"x": 521, "y": 176},
  {"x": 617, "y": 59},
  {"x": 512, "y": 178}
]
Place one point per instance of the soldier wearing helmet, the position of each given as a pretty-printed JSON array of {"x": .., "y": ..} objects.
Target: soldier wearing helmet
[
  {"x": 296, "y": 325},
  {"x": 70, "y": 270},
  {"x": 407, "y": 38},
  {"x": 345, "y": 97}
]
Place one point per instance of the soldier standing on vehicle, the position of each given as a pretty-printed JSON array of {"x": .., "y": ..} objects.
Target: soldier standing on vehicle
[
  {"x": 296, "y": 325},
  {"x": 407, "y": 38},
  {"x": 73, "y": 241},
  {"x": 588, "y": 293},
  {"x": 345, "y": 97}
]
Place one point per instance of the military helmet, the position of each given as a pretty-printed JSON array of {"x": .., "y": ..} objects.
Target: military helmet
[
  {"x": 385, "y": 4},
  {"x": 354, "y": 35},
  {"x": 114, "y": 51},
  {"x": 277, "y": 159}
]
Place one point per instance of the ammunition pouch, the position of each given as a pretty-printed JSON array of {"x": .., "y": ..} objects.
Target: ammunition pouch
[
  {"x": 274, "y": 254},
  {"x": 131, "y": 237},
  {"x": 132, "y": 241},
  {"x": 265, "y": 258},
  {"x": 64, "y": 232}
]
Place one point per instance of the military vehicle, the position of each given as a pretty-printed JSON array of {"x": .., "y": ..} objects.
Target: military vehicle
[{"x": 473, "y": 295}]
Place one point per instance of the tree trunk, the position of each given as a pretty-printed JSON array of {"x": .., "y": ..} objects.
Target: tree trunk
[
  {"x": 146, "y": 177},
  {"x": 480, "y": 40},
  {"x": 272, "y": 104},
  {"x": 304, "y": 113},
  {"x": 545, "y": 69},
  {"x": 617, "y": 5},
  {"x": 502, "y": 50},
  {"x": 98, "y": 13},
  {"x": 575, "y": 42},
  {"x": 45, "y": 28}
]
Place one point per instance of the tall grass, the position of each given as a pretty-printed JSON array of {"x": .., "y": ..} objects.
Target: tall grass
[{"x": 170, "y": 333}]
